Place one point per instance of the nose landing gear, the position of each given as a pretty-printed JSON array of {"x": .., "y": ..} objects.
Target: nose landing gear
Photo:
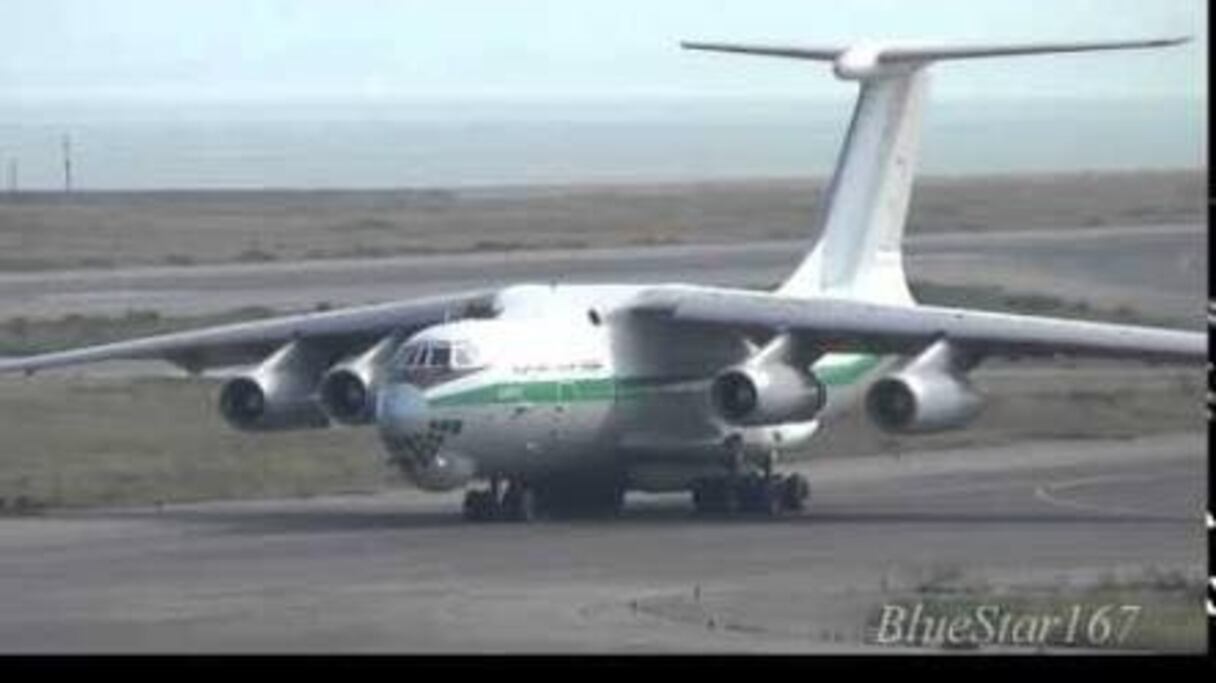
[
  {"x": 480, "y": 505},
  {"x": 517, "y": 504}
]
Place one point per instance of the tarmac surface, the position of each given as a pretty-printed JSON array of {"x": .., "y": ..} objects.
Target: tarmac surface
[
  {"x": 400, "y": 572},
  {"x": 1159, "y": 268}
]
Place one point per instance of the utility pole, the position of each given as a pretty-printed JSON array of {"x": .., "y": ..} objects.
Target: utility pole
[{"x": 67, "y": 163}]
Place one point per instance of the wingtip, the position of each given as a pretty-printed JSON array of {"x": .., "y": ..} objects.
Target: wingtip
[
  {"x": 709, "y": 45},
  {"x": 1168, "y": 41}
]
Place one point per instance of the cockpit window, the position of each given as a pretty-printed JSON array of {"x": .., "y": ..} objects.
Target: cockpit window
[
  {"x": 435, "y": 355},
  {"x": 415, "y": 355},
  {"x": 464, "y": 355},
  {"x": 441, "y": 355}
]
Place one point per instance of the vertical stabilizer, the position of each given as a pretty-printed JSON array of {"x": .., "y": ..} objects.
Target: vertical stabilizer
[
  {"x": 859, "y": 254},
  {"x": 864, "y": 210}
]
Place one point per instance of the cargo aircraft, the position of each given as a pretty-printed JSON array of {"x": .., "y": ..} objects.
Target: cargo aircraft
[{"x": 558, "y": 399}]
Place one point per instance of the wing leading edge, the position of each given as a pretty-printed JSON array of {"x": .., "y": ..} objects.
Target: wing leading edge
[
  {"x": 241, "y": 343},
  {"x": 845, "y": 325}
]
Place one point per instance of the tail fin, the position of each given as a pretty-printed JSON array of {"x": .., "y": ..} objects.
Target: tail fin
[{"x": 859, "y": 253}]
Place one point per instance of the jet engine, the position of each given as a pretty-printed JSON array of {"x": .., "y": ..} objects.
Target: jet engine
[
  {"x": 278, "y": 395},
  {"x": 930, "y": 393},
  {"x": 348, "y": 390},
  {"x": 765, "y": 394}
]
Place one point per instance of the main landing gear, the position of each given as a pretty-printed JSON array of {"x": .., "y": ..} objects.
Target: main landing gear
[
  {"x": 586, "y": 495},
  {"x": 772, "y": 496},
  {"x": 758, "y": 492}
]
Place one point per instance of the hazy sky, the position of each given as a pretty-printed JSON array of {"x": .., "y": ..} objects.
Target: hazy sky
[{"x": 270, "y": 50}]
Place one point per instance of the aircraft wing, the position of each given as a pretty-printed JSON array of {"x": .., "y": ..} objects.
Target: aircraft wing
[
  {"x": 850, "y": 325},
  {"x": 338, "y": 331}
]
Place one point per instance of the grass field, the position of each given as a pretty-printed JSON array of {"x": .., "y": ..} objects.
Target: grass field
[
  {"x": 95, "y": 440},
  {"x": 41, "y": 231}
]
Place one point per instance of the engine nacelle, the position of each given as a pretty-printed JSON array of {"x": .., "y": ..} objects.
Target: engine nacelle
[
  {"x": 929, "y": 394},
  {"x": 278, "y": 395},
  {"x": 348, "y": 391},
  {"x": 772, "y": 393}
]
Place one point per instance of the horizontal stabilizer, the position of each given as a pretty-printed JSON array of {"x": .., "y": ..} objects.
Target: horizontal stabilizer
[{"x": 894, "y": 53}]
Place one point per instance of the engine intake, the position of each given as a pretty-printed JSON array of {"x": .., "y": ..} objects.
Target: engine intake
[
  {"x": 278, "y": 395},
  {"x": 348, "y": 391},
  {"x": 767, "y": 394},
  {"x": 931, "y": 393},
  {"x": 345, "y": 396}
]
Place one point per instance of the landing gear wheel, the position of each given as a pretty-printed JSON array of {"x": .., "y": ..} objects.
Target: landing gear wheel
[
  {"x": 760, "y": 495},
  {"x": 771, "y": 503},
  {"x": 767, "y": 496},
  {"x": 795, "y": 490},
  {"x": 479, "y": 506},
  {"x": 733, "y": 499},
  {"x": 519, "y": 503},
  {"x": 728, "y": 497}
]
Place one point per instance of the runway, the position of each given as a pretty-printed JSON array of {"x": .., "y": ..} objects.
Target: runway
[
  {"x": 399, "y": 571},
  {"x": 1158, "y": 268}
]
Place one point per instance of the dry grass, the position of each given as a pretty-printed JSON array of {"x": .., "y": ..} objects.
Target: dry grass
[
  {"x": 1168, "y": 604},
  {"x": 101, "y": 440},
  {"x": 110, "y": 229}
]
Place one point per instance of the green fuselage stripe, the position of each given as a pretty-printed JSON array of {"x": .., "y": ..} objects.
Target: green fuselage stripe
[
  {"x": 848, "y": 372},
  {"x": 617, "y": 388},
  {"x": 544, "y": 391}
]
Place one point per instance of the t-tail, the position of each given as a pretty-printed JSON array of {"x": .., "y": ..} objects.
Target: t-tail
[{"x": 862, "y": 217}]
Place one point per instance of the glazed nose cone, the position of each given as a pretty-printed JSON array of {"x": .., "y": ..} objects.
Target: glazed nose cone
[{"x": 401, "y": 411}]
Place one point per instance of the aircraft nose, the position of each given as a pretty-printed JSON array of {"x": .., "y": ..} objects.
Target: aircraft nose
[{"x": 401, "y": 411}]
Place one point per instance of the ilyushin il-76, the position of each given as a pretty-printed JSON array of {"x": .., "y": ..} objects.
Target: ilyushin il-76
[{"x": 545, "y": 399}]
